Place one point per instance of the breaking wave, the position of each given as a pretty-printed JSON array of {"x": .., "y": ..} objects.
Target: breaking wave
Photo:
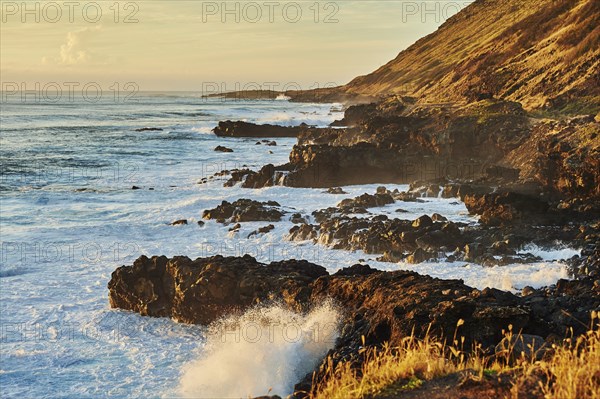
[{"x": 266, "y": 350}]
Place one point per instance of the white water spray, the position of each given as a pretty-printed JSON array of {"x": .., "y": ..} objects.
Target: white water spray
[{"x": 264, "y": 351}]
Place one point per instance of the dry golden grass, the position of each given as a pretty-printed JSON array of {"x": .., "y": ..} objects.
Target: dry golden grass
[{"x": 571, "y": 370}]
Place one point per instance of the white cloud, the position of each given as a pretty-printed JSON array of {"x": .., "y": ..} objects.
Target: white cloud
[{"x": 76, "y": 49}]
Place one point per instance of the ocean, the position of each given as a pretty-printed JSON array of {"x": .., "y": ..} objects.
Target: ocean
[{"x": 69, "y": 217}]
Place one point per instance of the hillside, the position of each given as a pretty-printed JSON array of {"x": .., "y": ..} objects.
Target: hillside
[{"x": 541, "y": 53}]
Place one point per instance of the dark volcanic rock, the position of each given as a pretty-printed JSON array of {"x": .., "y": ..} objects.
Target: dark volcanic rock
[
  {"x": 268, "y": 175},
  {"x": 220, "y": 148},
  {"x": 302, "y": 232},
  {"x": 564, "y": 157},
  {"x": 367, "y": 201},
  {"x": 335, "y": 190},
  {"x": 297, "y": 218},
  {"x": 149, "y": 129},
  {"x": 202, "y": 290},
  {"x": 399, "y": 144},
  {"x": 245, "y": 210},
  {"x": 262, "y": 230},
  {"x": 238, "y": 175},
  {"x": 506, "y": 207},
  {"x": 246, "y": 129}
]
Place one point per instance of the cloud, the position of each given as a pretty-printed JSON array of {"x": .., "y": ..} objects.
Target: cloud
[{"x": 76, "y": 49}]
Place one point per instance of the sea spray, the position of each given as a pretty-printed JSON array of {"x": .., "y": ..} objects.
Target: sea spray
[{"x": 266, "y": 350}]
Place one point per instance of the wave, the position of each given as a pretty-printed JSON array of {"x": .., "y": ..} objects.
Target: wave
[
  {"x": 263, "y": 351},
  {"x": 12, "y": 272}
]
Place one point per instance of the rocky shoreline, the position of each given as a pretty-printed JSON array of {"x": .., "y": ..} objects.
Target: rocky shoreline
[
  {"x": 528, "y": 181},
  {"x": 497, "y": 110},
  {"x": 378, "y": 307}
]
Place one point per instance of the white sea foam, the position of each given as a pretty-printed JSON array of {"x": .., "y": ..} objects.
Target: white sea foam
[
  {"x": 264, "y": 351},
  {"x": 561, "y": 251}
]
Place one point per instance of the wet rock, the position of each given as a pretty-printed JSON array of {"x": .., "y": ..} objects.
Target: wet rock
[
  {"x": 406, "y": 197},
  {"x": 262, "y": 230},
  {"x": 528, "y": 290},
  {"x": 246, "y": 129},
  {"x": 502, "y": 248},
  {"x": 419, "y": 256},
  {"x": 424, "y": 190},
  {"x": 135, "y": 188},
  {"x": 201, "y": 223},
  {"x": 367, "y": 201},
  {"x": 450, "y": 191},
  {"x": 501, "y": 174},
  {"x": 298, "y": 218},
  {"x": 473, "y": 251},
  {"x": 236, "y": 227},
  {"x": 302, "y": 232},
  {"x": 381, "y": 190},
  {"x": 245, "y": 210},
  {"x": 221, "y": 148},
  {"x": 335, "y": 190},
  {"x": 422, "y": 221},
  {"x": 149, "y": 129},
  {"x": 237, "y": 176},
  {"x": 267, "y": 176},
  {"x": 406, "y": 144},
  {"x": 439, "y": 240},
  {"x": 179, "y": 222},
  {"x": 436, "y": 217}
]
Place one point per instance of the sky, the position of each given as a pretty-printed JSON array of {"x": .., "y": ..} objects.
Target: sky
[{"x": 199, "y": 45}]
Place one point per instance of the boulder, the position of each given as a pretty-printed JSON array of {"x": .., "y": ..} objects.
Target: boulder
[
  {"x": 247, "y": 129},
  {"x": 245, "y": 210},
  {"x": 220, "y": 148}
]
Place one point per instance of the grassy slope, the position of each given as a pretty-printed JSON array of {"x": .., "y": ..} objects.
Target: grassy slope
[{"x": 522, "y": 50}]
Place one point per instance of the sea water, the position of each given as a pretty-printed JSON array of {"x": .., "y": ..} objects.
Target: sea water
[{"x": 69, "y": 217}]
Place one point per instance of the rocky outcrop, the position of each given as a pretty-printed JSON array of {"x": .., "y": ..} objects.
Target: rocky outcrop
[
  {"x": 509, "y": 222},
  {"x": 380, "y": 198},
  {"x": 202, "y": 290},
  {"x": 221, "y": 148},
  {"x": 392, "y": 142},
  {"x": 245, "y": 210},
  {"x": 564, "y": 158},
  {"x": 506, "y": 208},
  {"x": 247, "y": 129},
  {"x": 378, "y": 306}
]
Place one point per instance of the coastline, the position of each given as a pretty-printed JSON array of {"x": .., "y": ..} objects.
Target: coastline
[{"x": 513, "y": 213}]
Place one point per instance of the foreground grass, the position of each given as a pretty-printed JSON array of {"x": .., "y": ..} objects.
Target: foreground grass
[{"x": 568, "y": 370}]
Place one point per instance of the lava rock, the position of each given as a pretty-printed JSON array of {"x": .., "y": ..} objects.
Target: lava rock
[
  {"x": 245, "y": 210},
  {"x": 220, "y": 148}
]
